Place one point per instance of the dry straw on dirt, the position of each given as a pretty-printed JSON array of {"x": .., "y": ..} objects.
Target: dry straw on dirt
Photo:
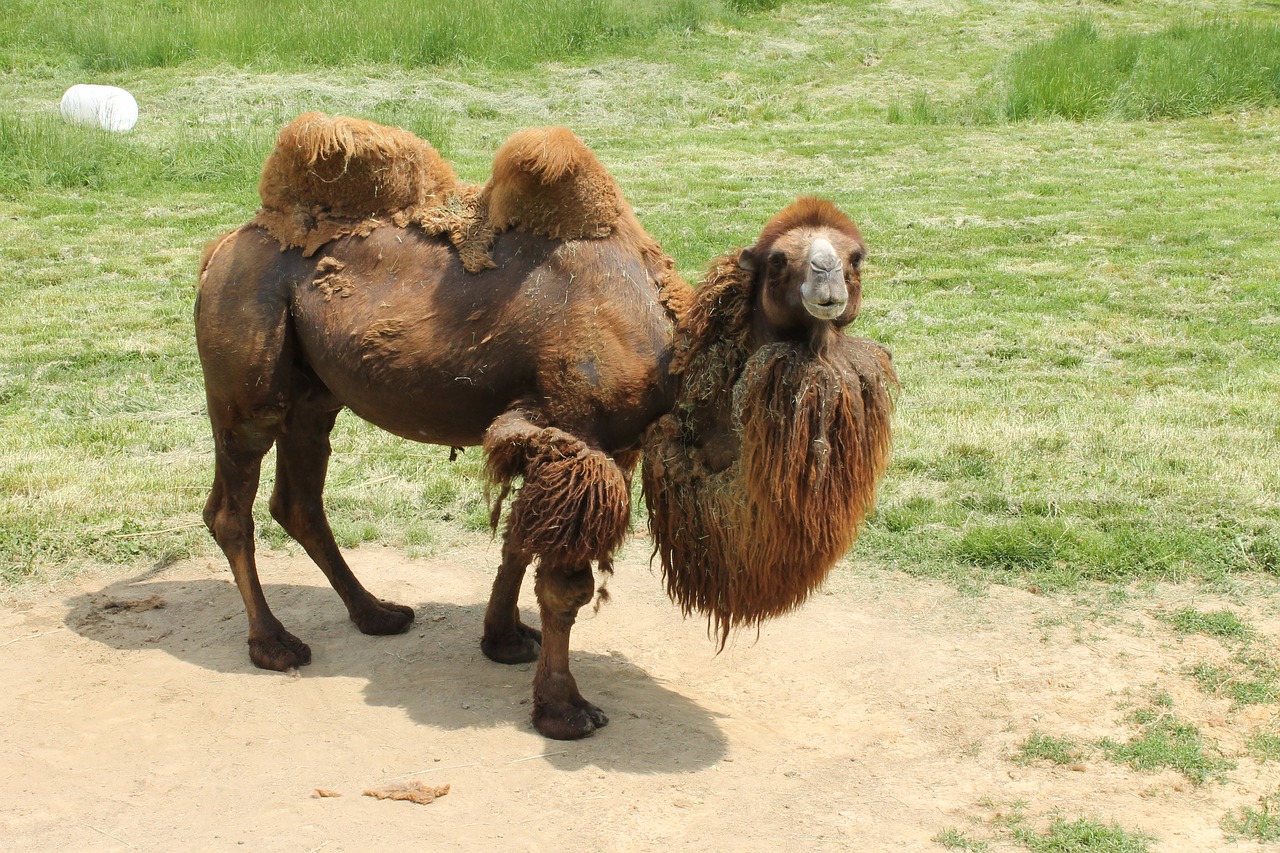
[{"x": 413, "y": 792}]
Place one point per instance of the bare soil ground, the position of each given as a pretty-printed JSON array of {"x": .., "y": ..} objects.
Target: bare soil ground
[{"x": 886, "y": 710}]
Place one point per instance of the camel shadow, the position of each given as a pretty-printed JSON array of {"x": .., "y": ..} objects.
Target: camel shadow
[{"x": 436, "y": 672}]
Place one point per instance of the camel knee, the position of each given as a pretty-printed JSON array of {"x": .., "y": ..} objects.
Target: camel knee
[
  {"x": 232, "y": 530},
  {"x": 286, "y": 510},
  {"x": 563, "y": 592},
  {"x": 575, "y": 502}
]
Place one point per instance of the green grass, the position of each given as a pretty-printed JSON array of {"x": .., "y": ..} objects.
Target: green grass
[
  {"x": 1186, "y": 69},
  {"x": 1260, "y": 824},
  {"x": 1264, "y": 747},
  {"x": 112, "y": 36},
  {"x": 1164, "y": 741},
  {"x": 1042, "y": 747},
  {"x": 1219, "y": 623},
  {"x": 954, "y": 839},
  {"x": 1250, "y": 678},
  {"x": 1084, "y": 314},
  {"x": 1083, "y": 836}
]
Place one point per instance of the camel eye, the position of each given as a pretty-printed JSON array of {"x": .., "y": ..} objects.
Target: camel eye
[
  {"x": 855, "y": 260},
  {"x": 777, "y": 260}
]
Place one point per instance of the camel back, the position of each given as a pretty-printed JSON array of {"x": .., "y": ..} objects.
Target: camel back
[{"x": 332, "y": 176}]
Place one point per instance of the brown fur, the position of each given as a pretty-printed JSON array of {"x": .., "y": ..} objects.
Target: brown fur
[
  {"x": 805, "y": 212},
  {"x": 332, "y": 176},
  {"x": 575, "y": 502},
  {"x": 753, "y": 540},
  {"x": 560, "y": 337},
  {"x": 545, "y": 180},
  {"x": 329, "y": 176}
]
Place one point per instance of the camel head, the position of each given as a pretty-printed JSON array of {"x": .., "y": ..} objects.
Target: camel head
[
  {"x": 758, "y": 479},
  {"x": 806, "y": 270}
]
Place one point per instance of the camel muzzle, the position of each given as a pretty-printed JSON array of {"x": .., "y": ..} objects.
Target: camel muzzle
[{"x": 824, "y": 293}]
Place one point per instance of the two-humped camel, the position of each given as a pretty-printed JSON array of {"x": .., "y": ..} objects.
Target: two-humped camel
[{"x": 534, "y": 316}]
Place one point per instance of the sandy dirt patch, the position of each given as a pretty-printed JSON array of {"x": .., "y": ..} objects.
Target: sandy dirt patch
[{"x": 886, "y": 710}]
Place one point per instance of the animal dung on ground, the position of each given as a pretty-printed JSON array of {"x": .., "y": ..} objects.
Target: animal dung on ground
[
  {"x": 415, "y": 792},
  {"x": 134, "y": 605}
]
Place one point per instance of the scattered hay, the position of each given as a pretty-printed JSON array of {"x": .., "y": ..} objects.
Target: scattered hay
[{"x": 414, "y": 792}]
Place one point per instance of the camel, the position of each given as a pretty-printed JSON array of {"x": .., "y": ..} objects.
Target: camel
[{"x": 534, "y": 317}]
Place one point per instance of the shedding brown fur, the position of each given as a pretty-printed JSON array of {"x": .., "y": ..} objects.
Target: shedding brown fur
[
  {"x": 751, "y": 541},
  {"x": 546, "y": 181},
  {"x": 575, "y": 502},
  {"x": 328, "y": 177},
  {"x": 534, "y": 316}
]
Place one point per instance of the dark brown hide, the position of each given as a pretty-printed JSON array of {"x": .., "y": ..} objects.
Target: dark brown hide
[
  {"x": 748, "y": 520},
  {"x": 551, "y": 352}
]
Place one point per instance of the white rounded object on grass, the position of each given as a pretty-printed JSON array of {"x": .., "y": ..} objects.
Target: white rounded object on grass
[{"x": 107, "y": 107}]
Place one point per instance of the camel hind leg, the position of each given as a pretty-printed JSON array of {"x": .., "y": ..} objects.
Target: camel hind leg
[
  {"x": 302, "y": 461},
  {"x": 246, "y": 354},
  {"x": 228, "y": 514}
]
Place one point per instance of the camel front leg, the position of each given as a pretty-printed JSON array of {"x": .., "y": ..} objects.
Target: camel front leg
[
  {"x": 506, "y": 638},
  {"x": 559, "y": 711}
]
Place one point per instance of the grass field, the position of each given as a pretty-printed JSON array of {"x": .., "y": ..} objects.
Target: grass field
[
  {"x": 1083, "y": 300},
  {"x": 1084, "y": 313}
]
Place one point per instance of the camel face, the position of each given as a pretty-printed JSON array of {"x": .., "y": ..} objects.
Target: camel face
[
  {"x": 758, "y": 479},
  {"x": 809, "y": 278}
]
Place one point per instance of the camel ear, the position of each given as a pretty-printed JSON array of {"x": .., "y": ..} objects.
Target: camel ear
[{"x": 747, "y": 260}]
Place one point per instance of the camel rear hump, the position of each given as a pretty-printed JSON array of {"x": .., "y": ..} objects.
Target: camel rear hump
[{"x": 546, "y": 180}]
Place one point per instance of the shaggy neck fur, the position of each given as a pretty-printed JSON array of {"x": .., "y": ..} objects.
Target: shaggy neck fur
[{"x": 809, "y": 440}]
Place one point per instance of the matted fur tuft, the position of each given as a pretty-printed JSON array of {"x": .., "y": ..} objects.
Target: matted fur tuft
[
  {"x": 575, "y": 502},
  {"x": 545, "y": 180},
  {"x": 332, "y": 175},
  {"x": 811, "y": 441},
  {"x": 805, "y": 212}
]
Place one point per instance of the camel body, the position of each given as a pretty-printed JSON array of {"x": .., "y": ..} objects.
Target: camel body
[{"x": 394, "y": 329}]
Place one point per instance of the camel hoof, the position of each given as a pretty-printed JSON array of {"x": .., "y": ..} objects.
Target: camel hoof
[
  {"x": 382, "y": 618},
  {"x": 568, "y": 722},
  {"x": 522, "y": 646},
  {"x": 280, "y": 653}
]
